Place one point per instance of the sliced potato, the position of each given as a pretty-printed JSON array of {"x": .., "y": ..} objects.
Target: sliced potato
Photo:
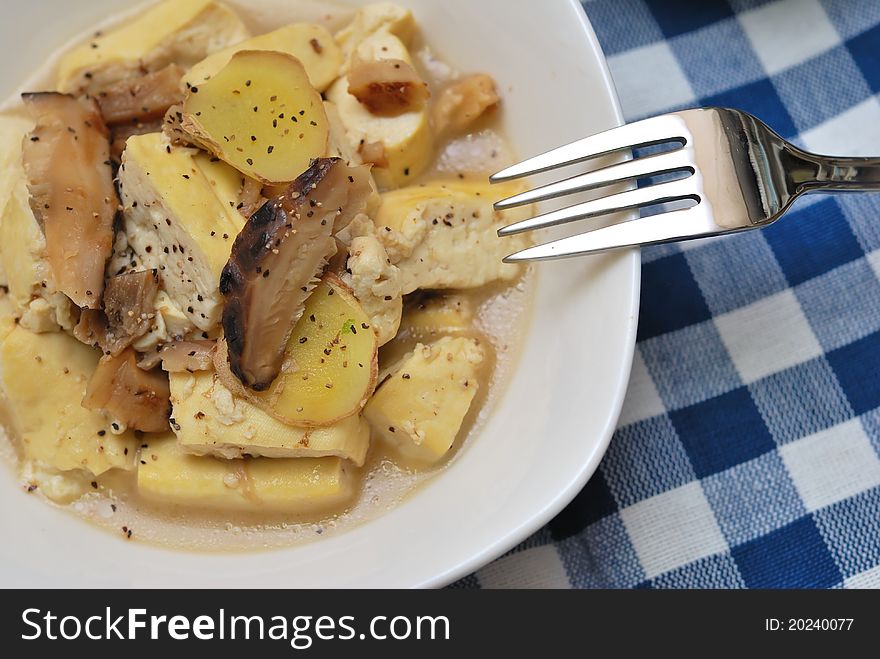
[
  {"x": 44, "y": 378},
  {"x": 311, "y": 44},
  {"x": 208, "y": 419},
  {"x": 169, "y": 475},
  {"x": 260, "y": 114},
  {"x": 420, "y": 408},
  {"x": 330, "y": 364}
]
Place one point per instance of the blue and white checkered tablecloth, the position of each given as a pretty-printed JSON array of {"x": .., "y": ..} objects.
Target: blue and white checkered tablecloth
[{"x": 748, "y": 452}]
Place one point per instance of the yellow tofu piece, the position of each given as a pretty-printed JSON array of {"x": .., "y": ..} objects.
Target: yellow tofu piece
[
  {"x": 406, "y": 138},
  {"x": 12, "y": 131},
  {"x": 44, "y": 378},
  {"x": 170, "y": 31},
  {"x": 311, "y": 44},
  {"x": 7, "y": 316},
  {"x": 420, "y": 408},
  {"x": 167, "y": 474},
  {"x": 208, "y": 419},
  {"x": 22, "y": 246},
  {"x": 437, "y": 316},
  {"x": 373, "y": 18},
  {"x": 178, "y": 218}
]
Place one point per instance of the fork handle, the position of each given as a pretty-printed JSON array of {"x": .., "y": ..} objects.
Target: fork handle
[{"x": 842, "y": 174}]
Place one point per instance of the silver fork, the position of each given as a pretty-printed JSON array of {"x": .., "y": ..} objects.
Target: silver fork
[{"x": 737, "y": 173}]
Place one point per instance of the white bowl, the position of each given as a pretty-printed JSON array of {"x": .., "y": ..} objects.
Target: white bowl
[{"x": 548, "y": 431}]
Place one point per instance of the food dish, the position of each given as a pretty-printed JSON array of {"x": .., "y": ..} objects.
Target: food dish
[{"x": 472, "y": 449}]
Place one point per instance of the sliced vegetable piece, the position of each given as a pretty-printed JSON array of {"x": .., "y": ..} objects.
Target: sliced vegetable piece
[
  {"x": 388, "y": 87},
  {"x": 209, "y": 419},
  {"x": 67, "y": 160},
  {"x": 129, "y": 305},
  {"x": 311, "y": 44},
  {"x": 141, "y": 98},
  {"x": 129, "y": 395},
  {"x": 463, "y": 102},
  {"x": 420, "y": 408},
  {"x": 276, "y": 259},
  {"x": 260, "y": 114},
  {"x": 167, "y": 474}
]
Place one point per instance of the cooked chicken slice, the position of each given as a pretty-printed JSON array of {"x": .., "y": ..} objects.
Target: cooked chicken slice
[
  {"x": 170, "y": 31},
  {"x": 67, "y": 160},
  {"x": 140, "y": 98},
  {"x": 463, "y": 102},
  {"x": 179, "y": 218},
  {"x": 376, "y": 285},
  {"x": 445, "y": 235},
  {"x": 128, "y": 395},
  {"x": 276, "y": 260}
]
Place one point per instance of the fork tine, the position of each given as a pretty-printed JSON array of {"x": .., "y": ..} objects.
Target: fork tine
[
  {"x": 655, "y": 130},
  {"x": 652, "y": 194},
  {"x": 694, "y": 222},
  {"x": 650, "y": 165}
]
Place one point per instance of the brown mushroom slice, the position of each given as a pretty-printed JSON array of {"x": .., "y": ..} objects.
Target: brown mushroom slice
[
  {"x": 179, "y": 356},
  {"x": 119, "y": 135},
  {"x": 276, "y": 260},
  {"x": 127, "y": 394},
  {"x": 129, "y": 304},
  {"x": 388, "y": 87},
  {"x": 141, "y": 98},
  {"x": 67, "y": 160}
]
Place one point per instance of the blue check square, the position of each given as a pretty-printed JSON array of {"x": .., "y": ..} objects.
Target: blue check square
[
  {"x": 851, "y": 529},
  {"x": 862, "y": 211},
  {"x": 804, "y": 88},
  {"x": 742, "y": 252},
  {"x": 759, "y": 98},
  {"x": 718, "y": 571},
  {"x": 863, "y": 49},
  {"x": 623, "y": 24},
  {"x": 857, "y": 367},
  {"x": 794, "y": 556},
  {"x": 842, "y": 305},
  {"x": 853, "y": 17},
  {"x": 671, "y": 298},
  {"x": 801, "y": 400},
  {"x": 601, "y": 556},
  {"x": 722, "y": 432},
  {"x": 644, "y": 459},
  {"x": 689, "y": 365},
  {"x": 753, "y": 498},
  {"x": 813, "y": 241},
  {"x": 591, "y": 504},
  {"x": 679, "y": 16}
]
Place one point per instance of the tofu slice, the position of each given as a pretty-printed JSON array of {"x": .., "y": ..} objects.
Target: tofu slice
[
  {"x": 420, "y": 408},
  {"x": 444, "y": 235},
  {"x": 171, "y": 31},
  {"x": 310, "y": 44},
  {"x": 180, "y": 219},
  {"x": 169, "y": 475},
  {"x": 208, "y": 419},
  {"x": 406, "y": 138},
  {"x": 12, "y": 131},
  {"x": 439, "y": 315},
  {"x": 44, "y": 378},
  {"x": 375, "y": 283}
]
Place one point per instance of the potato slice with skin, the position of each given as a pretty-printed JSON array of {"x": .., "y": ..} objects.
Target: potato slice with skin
[
  {"x": 208, "y": 419},
  {"x": 260, "y": 114},
  {"x": 169, "y": 475},
  {"x": 331, "y": 362},
  {"x": 419, "y": 409},
  {"x": 311, "y": 44}
]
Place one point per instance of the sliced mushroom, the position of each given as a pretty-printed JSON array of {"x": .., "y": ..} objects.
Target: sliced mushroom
[
  {"x": 276, "y": 260},
  {"x": 129, "y": 301},
  {"x": 251, "y": 197},
  {"x": 127, "y": 394},
  {"x": 141, "y": 98},
  {"x": 180, "y": 356},
  {"x": 388, "y": 87},
  {"x": 67, "y": 160}
]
